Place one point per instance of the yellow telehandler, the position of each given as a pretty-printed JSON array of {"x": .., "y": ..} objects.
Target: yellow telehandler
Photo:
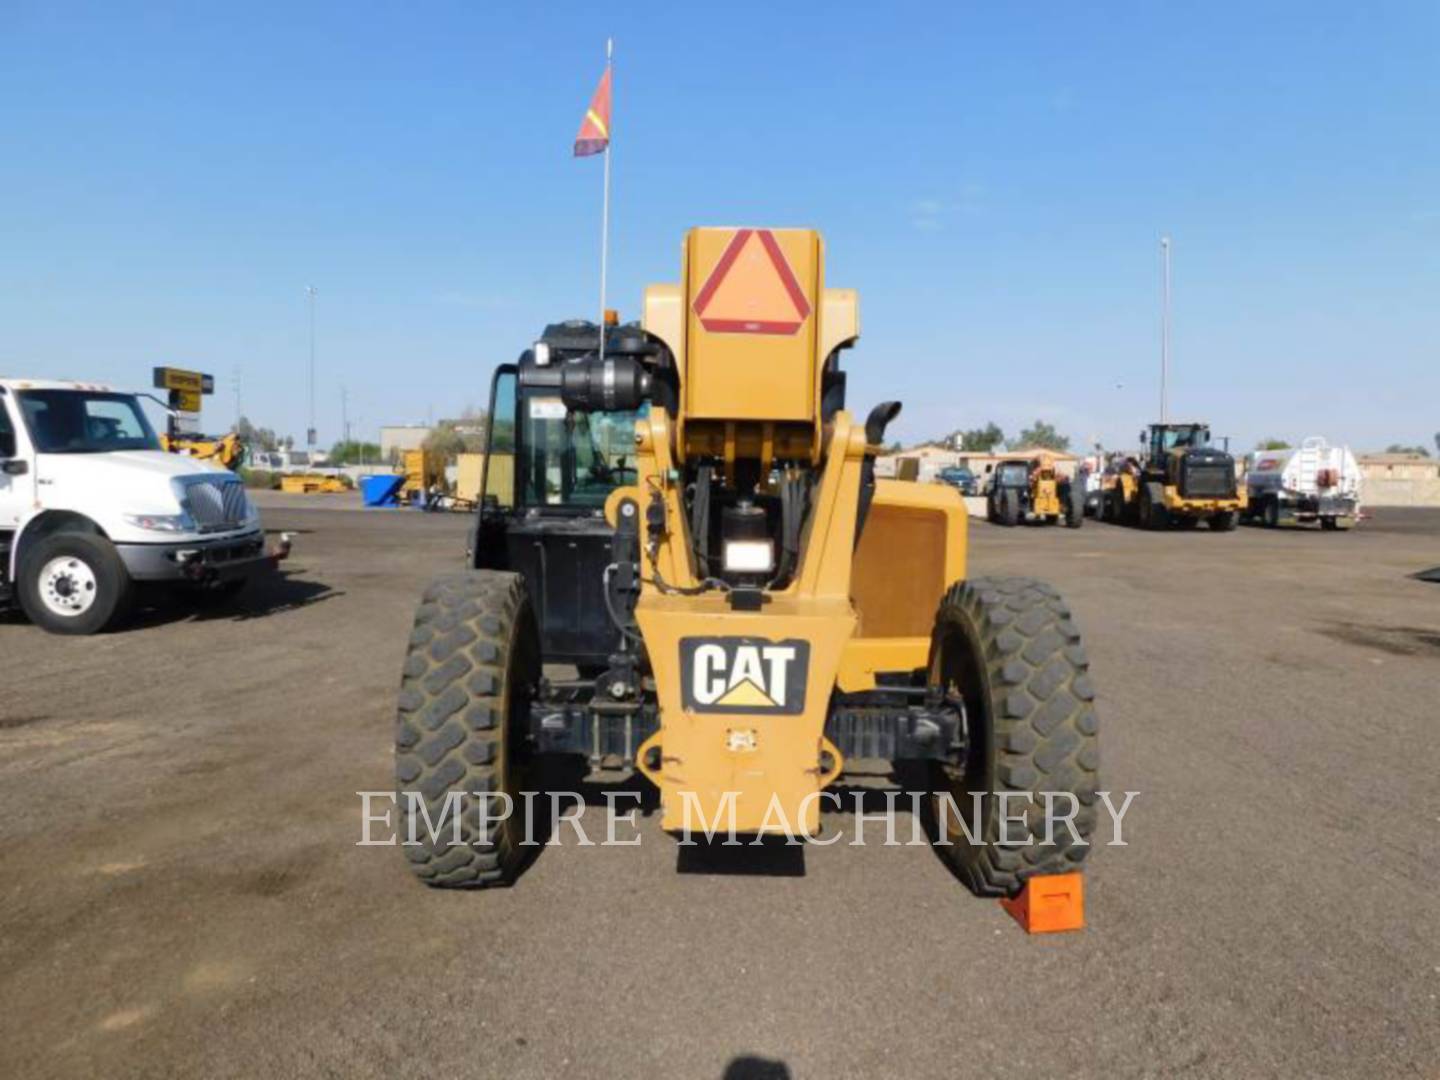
[{"x": 684, "y": 513}]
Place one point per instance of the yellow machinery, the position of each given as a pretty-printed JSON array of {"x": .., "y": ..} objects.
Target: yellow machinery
[
  {"x": 1032, "y": 490},
  {"x": 754, "y": 610},
  {"x": 312, "y": 484},
  {"x": 424, "y": 473},
  {"x": 1179, "y": 479},
  {"x": 224, "y": 450}
]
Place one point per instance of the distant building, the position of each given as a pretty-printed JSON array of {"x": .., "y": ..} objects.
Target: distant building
[
  {"x": 400, "y": 437},
  {"x": 1399, "y": 467}
]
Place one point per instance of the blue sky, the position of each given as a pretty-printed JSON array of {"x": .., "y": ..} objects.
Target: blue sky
[{"x": 992, "y": 177}]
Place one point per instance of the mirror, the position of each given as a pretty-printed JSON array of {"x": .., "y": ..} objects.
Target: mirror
[{"x": 14, "y": 467}]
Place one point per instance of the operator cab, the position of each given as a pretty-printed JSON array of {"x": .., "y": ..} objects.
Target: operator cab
[
  {"x": 1164, "y": 438},
  {"x": 549, "y": 470}
]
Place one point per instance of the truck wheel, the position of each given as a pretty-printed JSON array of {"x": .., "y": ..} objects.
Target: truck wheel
[
  {"x": 1009, "y": 507},
  {"x": 73, "y": 583},
  {"x": 469, "y": 674},
  {"x": 1010, "y": 649},
  {"x": 1272, "y": 513},
  {"x": 1153, "y": 514},
  {"x": 1075, "y": 509},
  {"x": 1329, "y": 524},
  {"x": 1224, "y": 521}
]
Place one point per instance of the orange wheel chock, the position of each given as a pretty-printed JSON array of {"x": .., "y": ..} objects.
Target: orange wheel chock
[{"x": 1049, "y": 904}]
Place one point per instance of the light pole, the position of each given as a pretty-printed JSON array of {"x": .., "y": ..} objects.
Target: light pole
[
  {"x": 1164, "y": 327},
  {"x": 310, "y": 431},
  {"x": 345, "y": 418}
]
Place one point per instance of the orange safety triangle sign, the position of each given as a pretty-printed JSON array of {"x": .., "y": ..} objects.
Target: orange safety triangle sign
[{"x": 752, "y": 289}]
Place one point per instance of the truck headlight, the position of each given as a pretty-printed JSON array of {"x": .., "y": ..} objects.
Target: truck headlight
[
  {"x": 173, "y": 523},
  {"x": 749, "y": 556}
]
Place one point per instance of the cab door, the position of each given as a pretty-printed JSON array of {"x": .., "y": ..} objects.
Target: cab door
[{"x": 17, "y": 469}]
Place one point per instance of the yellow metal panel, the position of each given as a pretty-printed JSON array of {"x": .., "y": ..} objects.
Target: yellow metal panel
[
  {"x": 664, "y": 316},
  {"x": 839, "y": 320},
  {"x": 757, "y": 757},
  {"x": 751, "y": 324}
]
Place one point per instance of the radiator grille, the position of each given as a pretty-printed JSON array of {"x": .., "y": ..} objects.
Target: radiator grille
[
  {"x": 218, "y": 504},
  {"x": 1209, "y": 481}
]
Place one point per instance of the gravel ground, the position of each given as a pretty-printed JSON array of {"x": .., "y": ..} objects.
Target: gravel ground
[{"x": 182, "y": 893}]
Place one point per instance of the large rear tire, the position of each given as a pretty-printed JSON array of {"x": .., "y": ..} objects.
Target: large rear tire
[
  {"x": 1009, "y": 507},
  {"x": 1272, "y": 513},
  {"x": 73, "y": 583},
  {"x": 1010, "y": 649},
  {"x": 465, "y": 692},
  {"x": 1224, "y": 521},
  {"x": 1153, "y": 514},
  {"x": 1075, "y": 508}
]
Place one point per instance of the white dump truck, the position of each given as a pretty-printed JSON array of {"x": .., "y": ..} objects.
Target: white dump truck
[
  {"x": 1312, "y": 482},
  {"x": 91, "y": 506}
]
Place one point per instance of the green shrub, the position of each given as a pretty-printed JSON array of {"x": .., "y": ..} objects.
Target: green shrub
[{"x": 260, "y": 478}]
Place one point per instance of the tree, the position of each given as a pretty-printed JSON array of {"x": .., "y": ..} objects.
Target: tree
[
  {"x": 1397, "y": 448},
  {"x": 1272, "y": 444},
  {"x": 1042, "y": 435},
  {"x": 253, "y": 437},
  {"x": 354, "y": 453},
  {"x": 982, "y": 440}
]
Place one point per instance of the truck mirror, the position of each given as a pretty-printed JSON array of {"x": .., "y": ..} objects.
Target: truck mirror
[{"x": 14, "y": 466}]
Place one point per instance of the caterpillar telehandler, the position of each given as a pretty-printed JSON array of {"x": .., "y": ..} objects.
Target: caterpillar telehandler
[
  {"x": 1032, "y": 490},
  {"x": 683, "y": 513},
  {"x": 1179, "y": 480}
]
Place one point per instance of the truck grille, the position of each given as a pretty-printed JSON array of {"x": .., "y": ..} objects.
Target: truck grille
[
  {"x": 217, "y": 504},
  {"x": 1209, "y": 481}
]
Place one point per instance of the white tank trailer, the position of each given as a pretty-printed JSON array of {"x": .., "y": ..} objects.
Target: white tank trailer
[{"x": 1312, "y": 482}]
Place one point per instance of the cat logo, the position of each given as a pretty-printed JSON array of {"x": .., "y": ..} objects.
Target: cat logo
[{"x": 743, "y": 675}]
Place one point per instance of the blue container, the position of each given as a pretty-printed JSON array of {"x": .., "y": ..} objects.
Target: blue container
[{"x": 382, "y": 490}]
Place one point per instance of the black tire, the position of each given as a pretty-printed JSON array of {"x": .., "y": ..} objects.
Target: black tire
[
  {"x": 1110, "y": 506},
  {"x": 94, "y": 561},
  {"x": 1009, "y": 507},
  {"x": 1075, "y": 509},
  {"x": 1329, "y": 524},
  {"x": 469, "y": 675},
  {"x": 1013, "y": 652},
  {"x": 1224, "y": 521},
  {"x": 1272, "y": 513},
  {"x": 1153, "y": 514}
]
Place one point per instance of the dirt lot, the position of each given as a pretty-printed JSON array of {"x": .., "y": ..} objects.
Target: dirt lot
[{"x": 182, "y": 894}]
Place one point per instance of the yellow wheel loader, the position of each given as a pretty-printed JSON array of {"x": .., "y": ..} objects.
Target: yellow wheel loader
[
  {"x": 683, "y": 513},
  {"x": 1180, "y": 480}
]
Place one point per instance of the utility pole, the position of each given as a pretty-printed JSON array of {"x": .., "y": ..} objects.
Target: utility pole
[
  {"x": 345, "y": 417},
  {"x": 235, "y": 385},
  {"x": 1164, "y": 328},
  {"x": 310, "y": 432}
]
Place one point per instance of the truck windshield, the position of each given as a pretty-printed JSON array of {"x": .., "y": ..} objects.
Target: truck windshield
[
  {"x": 573, "y": 458},
  {"x": 85, "y": 422}
]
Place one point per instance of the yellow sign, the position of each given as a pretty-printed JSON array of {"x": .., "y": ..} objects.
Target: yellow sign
[
  {"x": 185, "y": 400},
  {"x": 169, "y": 378}
]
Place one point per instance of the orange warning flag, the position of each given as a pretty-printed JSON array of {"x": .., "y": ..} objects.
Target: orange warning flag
[{"x": 594, "y": 135}]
